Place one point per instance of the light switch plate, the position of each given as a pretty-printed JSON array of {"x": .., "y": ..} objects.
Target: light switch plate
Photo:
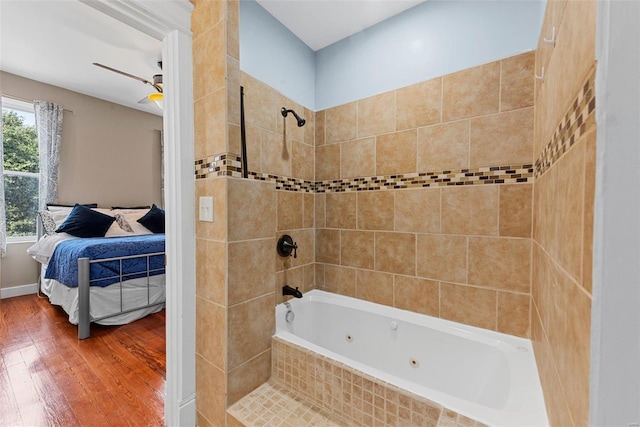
[{"x": 206, "y": 209}]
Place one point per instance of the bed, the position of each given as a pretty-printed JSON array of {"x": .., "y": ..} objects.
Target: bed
[{"x": 110, "y": 276}]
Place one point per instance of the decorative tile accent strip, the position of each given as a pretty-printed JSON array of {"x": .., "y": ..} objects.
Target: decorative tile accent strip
[
  {"x": 285, "y": 183},
  {"x": 227, "y": 164},
  {"x": 477, "y": 176},
  {"x": 230, "y": 165},
  {"x": 575, "y": 123},
  {"x": 351, "y": 395}
]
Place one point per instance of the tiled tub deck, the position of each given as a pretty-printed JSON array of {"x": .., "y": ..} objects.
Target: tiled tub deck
[{"x": 308, "y": 389}]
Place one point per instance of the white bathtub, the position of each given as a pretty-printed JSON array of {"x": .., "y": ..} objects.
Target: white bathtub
[{"x": 485, "y": 375}]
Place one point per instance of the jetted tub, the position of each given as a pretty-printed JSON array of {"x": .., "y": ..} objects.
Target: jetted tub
[{"x": 487, "y": 376}]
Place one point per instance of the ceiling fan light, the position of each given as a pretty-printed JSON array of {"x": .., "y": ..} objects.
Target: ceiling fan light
[{"x": 157, "y": 98}]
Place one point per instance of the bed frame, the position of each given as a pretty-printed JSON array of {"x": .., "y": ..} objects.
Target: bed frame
[{"x": 84, "y": 283}]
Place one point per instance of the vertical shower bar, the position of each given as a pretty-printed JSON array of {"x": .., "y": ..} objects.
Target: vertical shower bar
[
  {"x": 243, "y": 135},
  {"x": 83, "y": 298}
]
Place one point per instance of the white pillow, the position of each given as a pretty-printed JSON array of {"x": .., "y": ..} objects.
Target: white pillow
[
  {"x": 116, "y": 228},
  {"x": 131, "y": 217},
  {"x": 59, "y": 214}
]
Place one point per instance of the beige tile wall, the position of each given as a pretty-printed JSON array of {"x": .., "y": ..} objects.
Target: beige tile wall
[
  {"x": 213, "y": 61},
  {"x": 239, "y": 274},
  {"x": 461, "y": 253},
  {"x": 259, "y": 213},
  {"x": 563, "y": 210},
  {"x": 458, "y": 252}
]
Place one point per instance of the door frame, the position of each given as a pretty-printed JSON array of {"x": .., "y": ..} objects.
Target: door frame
[{"x": 170, "y": 22}]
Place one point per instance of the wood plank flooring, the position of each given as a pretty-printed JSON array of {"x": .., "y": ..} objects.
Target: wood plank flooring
[{"x": 50, "y": 378}]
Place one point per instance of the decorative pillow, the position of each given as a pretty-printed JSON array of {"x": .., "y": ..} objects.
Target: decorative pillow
[
  {"x": 59, "y": 214},
  {"x": 116, "y": 231},
  {"x": 132, "y": 220},
  {"x": 140, "y": 212},
  {"x": 154, "y": 219},
  {"x": 48, "y": 222},
  {"x": 84, "y": 222},
  {"x": 123, "y": 223}
]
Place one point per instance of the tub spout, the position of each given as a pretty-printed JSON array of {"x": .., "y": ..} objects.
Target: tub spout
[{"x": 288, "y": 290}]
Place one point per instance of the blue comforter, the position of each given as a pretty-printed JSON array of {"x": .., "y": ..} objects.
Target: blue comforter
[{"x": 63, "y": 265}]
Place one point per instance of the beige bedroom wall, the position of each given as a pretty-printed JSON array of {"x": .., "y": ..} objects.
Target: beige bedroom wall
[
  {"x": 18, "y": 268},
  {"x": 110, "y": 155}
]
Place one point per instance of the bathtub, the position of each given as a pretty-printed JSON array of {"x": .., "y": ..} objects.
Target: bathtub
[{"x": 484, "y": 375}]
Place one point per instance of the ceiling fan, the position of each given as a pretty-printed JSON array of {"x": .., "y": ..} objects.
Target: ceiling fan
[{"x": 156, "y": 83}]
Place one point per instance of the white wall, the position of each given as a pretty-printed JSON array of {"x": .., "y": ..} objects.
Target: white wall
[
  {"x": 429, "y": 40},
  {"x": 272, "y": 54},
  {"x": 615, "y": 324}
]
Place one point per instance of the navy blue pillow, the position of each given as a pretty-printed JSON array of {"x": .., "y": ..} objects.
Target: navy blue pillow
[
  {"x": 84, "y": 222},
  {"x": 153, "y": 220}
]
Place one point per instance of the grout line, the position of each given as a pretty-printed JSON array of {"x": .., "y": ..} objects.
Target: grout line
[
  {"x": 497, "y": 305},
  {"x": 500, "y": 88},
  {"x": 469, "y": 144},
  {"x": 467, "y": 261},
  {"x": 395, "y": 110},
  {"x": 499, "y": 190},
  {"x": 439, "y": 299},
  {"x": 441, "y": 99},
  {"x": 440, "y": 208}
]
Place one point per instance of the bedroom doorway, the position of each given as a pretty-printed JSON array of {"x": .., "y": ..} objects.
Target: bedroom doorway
[{"x": 170, "y": 22}]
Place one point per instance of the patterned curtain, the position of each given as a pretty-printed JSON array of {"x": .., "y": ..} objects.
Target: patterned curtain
[
  {"x": 3, "y": 220},
  {"x": 49, "y": 126}
]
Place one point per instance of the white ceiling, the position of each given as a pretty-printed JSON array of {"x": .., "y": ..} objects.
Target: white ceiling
[
  {"x": 319, "y": 23},
  {"x": 56, "y": 41}
]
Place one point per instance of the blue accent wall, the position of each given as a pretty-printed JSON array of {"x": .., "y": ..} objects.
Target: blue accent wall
[
  {"x": 434, "y": 38},
  {"x": 272, "y": 54}
]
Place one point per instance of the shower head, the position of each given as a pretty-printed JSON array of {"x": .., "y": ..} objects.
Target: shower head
[{"x": 300, "y": 120}]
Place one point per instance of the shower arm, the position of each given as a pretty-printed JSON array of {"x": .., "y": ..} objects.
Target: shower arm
[{"x": 300, "y": 120}]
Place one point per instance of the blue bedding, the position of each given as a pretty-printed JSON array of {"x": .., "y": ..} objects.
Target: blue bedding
[{"x": 63, "y": 265}]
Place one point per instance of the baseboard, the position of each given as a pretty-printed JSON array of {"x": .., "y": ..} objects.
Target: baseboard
[
  {"x": 17, "y": 291},
  {"x": 188, "y": 411}
]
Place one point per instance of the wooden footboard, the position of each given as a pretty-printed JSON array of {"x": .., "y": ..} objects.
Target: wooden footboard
[{"x": 84, "y": 290}]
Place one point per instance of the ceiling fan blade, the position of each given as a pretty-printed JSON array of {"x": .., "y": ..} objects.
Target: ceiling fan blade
[{"x": 124, "y": 74}]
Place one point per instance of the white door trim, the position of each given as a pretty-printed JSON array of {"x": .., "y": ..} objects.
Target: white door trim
[
  {"x": 170, "y": 21},
  {"x": 615, "y": 319}
]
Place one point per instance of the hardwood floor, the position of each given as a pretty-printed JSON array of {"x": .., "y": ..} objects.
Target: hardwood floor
[{"x": 50, "y": 378}]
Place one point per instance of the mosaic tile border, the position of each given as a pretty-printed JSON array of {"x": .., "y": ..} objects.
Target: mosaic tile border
[
  {"x": 227, "y": 164},
  {"x": 230, "y": 165},
  {"x": 359, "y": 399},
  {"x": 477, "y": 176},
  {"x": 574, "y": 124}
]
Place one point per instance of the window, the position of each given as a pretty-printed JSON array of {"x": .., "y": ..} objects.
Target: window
[{"x": 21, "y": 166}]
